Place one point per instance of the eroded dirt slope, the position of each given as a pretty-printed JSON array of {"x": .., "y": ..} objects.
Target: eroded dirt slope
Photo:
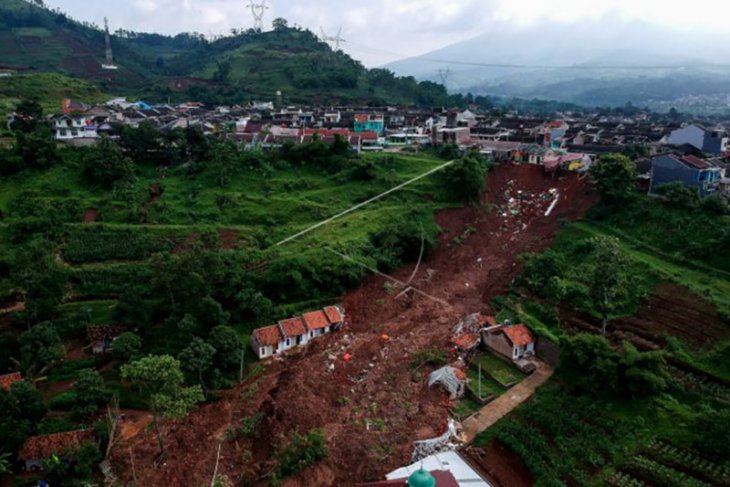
[{"x": 374, "y": 406}]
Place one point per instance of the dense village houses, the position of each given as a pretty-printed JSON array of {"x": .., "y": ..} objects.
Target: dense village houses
[{"x": 295, "y": 332}]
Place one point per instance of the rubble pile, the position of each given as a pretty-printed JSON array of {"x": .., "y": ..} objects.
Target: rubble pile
[{"x": 521, "y": 206}]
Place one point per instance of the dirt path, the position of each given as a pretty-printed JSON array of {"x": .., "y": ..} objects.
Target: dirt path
[
  {"x": 372, "y": 407},
  {"x": 505, "y": 404}
]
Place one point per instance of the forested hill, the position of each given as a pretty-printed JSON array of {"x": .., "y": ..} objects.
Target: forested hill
[{"x": 234, "y": 69}]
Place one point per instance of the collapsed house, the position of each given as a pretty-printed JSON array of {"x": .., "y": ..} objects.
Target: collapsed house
[
  {"x": 295, "y": 332},
  {"x": 38, "y": 448},
  {"x": 451, "y": 378}
]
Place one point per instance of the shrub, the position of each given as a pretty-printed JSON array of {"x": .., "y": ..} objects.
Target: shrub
[{"x": 301, "y": 452}]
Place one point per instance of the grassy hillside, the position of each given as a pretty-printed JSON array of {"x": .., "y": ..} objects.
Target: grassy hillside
[
  {"x": 229, "y": 70},
  {"x": 48, "y": 88}
]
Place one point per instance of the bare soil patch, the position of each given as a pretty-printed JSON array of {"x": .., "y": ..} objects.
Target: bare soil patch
[
  {"x": 672, "y": 311},
  {"x": 373, "y": 406}
]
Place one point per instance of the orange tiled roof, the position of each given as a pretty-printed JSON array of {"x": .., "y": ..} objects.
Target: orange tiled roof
[
  {"x": 39, "y": 447},
  {"x": 333, "y": 315},
  {"x": 465, "y": 341},
  {"x": 293, "y": 327},
  {"x": 519, "y": 335},
  {"x": 269, "y": 336},
  {"x": 9, "y": 379},
  {"x": 102, "y": 332},
  {"x": 316, "y": 320},
  {"x": 491, "y": 321},
  {"x": 460, "y": 374}
]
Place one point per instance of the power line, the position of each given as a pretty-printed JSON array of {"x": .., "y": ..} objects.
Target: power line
[{"x": 365, "y": 203}]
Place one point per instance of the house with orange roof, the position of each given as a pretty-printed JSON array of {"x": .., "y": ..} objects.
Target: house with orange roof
[
  {"x": 296, "y": 332},
  {"x": 8, "y": 380},
  {"x": 513, "y": 342},
  {"x": 37, "y": 448},
  {"x": 267, "y": 341}
]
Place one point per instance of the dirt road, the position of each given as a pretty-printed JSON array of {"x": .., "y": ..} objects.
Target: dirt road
[
  {"x": 504, "y": 404},
  {"x": 372, "y": 407}
]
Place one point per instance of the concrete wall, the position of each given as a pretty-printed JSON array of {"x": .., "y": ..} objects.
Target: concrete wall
[
  {"x": 547, "y": 351},
  {"x": 499, "y": 343},
  {"x": 665, "y": 170},
  {"x": 691, "y": 134}
]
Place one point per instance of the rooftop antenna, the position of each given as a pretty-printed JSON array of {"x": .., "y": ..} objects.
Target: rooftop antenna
[
  {"x": 258, "y": 10},
  {"x": 333, "y": 41},
  {"x": 444, "y": 75},
  {"x": 109, "y": 63}
]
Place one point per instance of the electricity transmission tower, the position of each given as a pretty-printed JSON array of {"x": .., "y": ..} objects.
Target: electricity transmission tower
[
  {"x": 444, "y": 75},
  {"x": 109, "y": 63},
  {"x": 333, "y": 41},
  {"x": 258, "y": 10}
]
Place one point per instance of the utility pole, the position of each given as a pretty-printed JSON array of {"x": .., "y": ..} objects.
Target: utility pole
[
  {"x": 258, "y": 10},
  {"x": 480, "y": 381},
  {"x": 333, "y": 41}
]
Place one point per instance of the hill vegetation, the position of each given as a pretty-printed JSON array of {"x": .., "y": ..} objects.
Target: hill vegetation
[
  {"x": 244, "y": 66},
  {"x": 630, "y": 400},
  {"x": 186, "y": 261}
]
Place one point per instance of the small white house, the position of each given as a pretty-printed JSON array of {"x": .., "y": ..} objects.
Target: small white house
[
  {"x": 69, "y": 127},
  {"x": 296, "y": 332}
]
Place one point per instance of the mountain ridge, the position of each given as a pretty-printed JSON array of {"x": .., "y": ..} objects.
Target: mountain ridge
[{"x": 232, "y": 69}]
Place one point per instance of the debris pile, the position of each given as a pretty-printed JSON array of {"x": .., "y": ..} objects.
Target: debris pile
[
  {"x": 445, "y": 442},
  {"x": 525, "y": 205},
  {"x": 451, "y": 378}
]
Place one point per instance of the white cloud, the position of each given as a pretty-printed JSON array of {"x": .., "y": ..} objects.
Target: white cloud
[{"x": 379, "y": 31}]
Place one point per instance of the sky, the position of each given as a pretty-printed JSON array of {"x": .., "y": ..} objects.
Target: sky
[{"x": 381, "y": 31}]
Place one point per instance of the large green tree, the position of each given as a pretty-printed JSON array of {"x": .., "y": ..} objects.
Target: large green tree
[
  {"x": 161, "y": 380},
  {"x": 465, "y": 178},
  {"x": 197, "y": 359},
  {"x": 608, "y": 281},
  {"x": 228, "y": 347},
  {"x": 90, "y": 393},
  {"x": 41, "y": 346},
  {"x": 127, "y": 347},
  {"x": 105, "y": 164},
  {"x": 615, "y": 178}
]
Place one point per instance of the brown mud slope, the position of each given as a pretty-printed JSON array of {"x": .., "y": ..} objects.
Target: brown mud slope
[
  {"x": 672, "y": 311},
  {"x": 372, "y": 407},
  {"x": 502, "y": 465}
]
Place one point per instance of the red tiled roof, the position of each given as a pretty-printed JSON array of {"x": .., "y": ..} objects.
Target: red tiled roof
[
  {"x": 100, "y": 333},
  {"x": 333, "y": 315},
  {"x": 39, "y": 447},
  {"x": 696, "y": 162},
  {"x": 362, "y": 118},
  {"x": 316, "y": 320},
  {"x": 293, "y": 327},
  {"x": 519, "y": 335},
  {"x": 269, "y": 336},
  {"x": 491, "y": 321},
  {"x": 9, "y": 379},
  {"x": 466, "y": 341}
]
